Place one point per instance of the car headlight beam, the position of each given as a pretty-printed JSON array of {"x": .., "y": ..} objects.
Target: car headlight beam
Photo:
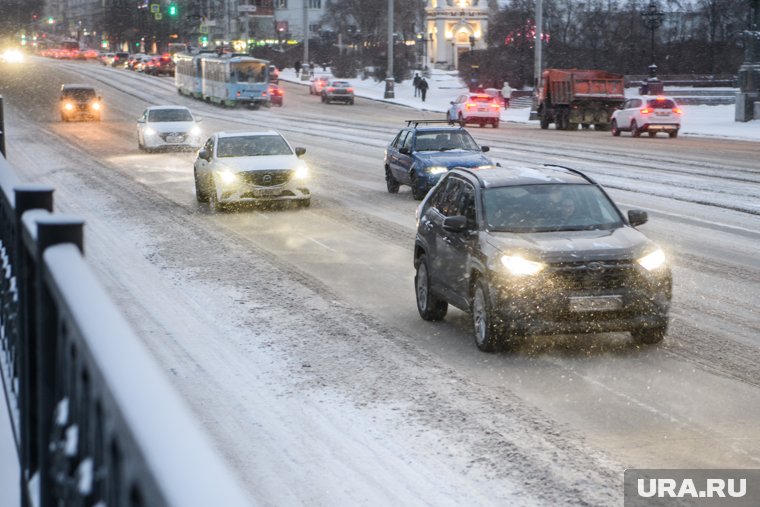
[
  {"x": 195, "y": 131},
  {"x": 227, "y": 177},
  {"x": 96, "y": 106},
  {"x": 652, "y": 260},
  {"x": 437, "y": 169},
  {"x": 520, "y": 266},
  {"x": 149, "y": 131},
  {"x": 302, "y": 172}
]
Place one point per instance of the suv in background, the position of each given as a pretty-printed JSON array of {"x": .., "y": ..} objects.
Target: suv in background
[
  {"x": 420, "y": 154},
  {"x": 650, "y": 114},
  {"x": 479, "y": 108},
  {"x": 537, "y": 251},
  {"x": 80, "y": 102}
]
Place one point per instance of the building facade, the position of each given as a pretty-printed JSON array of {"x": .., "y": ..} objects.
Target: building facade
[{"x": 454, "y": 27}]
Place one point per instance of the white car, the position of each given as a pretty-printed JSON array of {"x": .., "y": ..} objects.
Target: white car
[
  {"x": 478, "y": 108},
  {"x": 648, "y": 113},
  {"x": 250, "y": 166},
  {"x": 168, "y": 127}
]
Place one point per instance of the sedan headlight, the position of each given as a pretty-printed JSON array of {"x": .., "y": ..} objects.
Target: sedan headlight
[
  {"x": 302, "y": 172},
  {"x": 437, "y": 169},
  {"x": 195, "y": 131},
  {"x": 652, "y": 260},
  {"x": 96, "y": 106},
  {"x": 68, "y": 106},
  {"x": 520, "y": 266},
  {"x": 227, "y": 177}
]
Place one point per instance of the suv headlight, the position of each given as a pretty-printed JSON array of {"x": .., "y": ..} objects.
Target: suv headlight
[
  {"x": 227, "y": 177},
  {"x": 437, "y": 169},
  {"x": 96, "y": 106},
  {"x": 652, "y": 260},
  {"x": 520, "y": 266},
  {"x": 302, "y": 172}
]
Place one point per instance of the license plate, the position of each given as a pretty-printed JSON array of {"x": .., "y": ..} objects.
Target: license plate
[
  {"x": 174, "y": 139},
  {"x": 663, "y": 113},
  {"x": 595, "y": 303},
  {"x": 266, "y": 192},
  {"x": 483, "y": 109}
]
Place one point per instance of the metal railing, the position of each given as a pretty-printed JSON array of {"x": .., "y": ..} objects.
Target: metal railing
[{"x": 95, "y": 420}]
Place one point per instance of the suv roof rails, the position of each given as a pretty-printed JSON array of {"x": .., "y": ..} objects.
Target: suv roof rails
[
  {"x": 574, "y": 171},
  {"x": 417, "y": 122}
]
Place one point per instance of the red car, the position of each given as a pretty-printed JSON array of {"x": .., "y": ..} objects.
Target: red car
[{"x": 276, "y": 95}]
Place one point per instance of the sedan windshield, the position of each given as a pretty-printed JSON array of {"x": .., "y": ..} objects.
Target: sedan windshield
[
  {"x": 81, "y": 94},
  {"x": 252, "y": 146},
  {"x": 162, "y": 115},
  {"x": 443, "y": 141},
  {"x": 549, "y": 207}
]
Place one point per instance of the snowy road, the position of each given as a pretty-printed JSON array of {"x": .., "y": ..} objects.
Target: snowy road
[{"x": 294, "y": 336}]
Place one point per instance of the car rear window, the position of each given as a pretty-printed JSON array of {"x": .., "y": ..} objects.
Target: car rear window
[{"x": 661, "y": 104}]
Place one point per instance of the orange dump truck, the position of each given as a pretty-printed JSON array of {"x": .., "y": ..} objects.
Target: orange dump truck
[{"x": 572, "y": 97}]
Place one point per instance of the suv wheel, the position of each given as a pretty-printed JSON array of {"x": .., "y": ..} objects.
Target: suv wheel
[
  {"x": 614, "y": 128},
  {"x": 635, "y": 132},
  {"x": 200, "y": 192},
  {"x": 390, "y": 181},
  {"x": 487, "y": 334},
  {"x": 649, "y": 335},
  {"x": 429, "y": 306}
]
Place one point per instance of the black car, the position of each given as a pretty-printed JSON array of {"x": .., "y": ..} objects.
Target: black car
[
  {"x": 540, "y": 250},
  {"x": 420, "y": 154},
  {"x": 80, "y": 102}
]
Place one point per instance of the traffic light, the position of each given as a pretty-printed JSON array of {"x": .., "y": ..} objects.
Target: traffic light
[{"x": 172, "y": 9}]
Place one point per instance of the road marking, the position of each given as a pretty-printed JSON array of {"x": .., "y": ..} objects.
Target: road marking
[{"x": 320, "y": 244}]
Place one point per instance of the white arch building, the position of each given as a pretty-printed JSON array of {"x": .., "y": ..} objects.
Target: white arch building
[{"x": 454, "y": 27}]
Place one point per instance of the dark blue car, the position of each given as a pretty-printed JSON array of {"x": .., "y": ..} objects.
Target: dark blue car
[{"x": 419, "y": 155}]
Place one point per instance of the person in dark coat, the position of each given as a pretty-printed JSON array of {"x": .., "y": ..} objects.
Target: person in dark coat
[
  {"x": 416, "y": 84},
  {"x": 297, "y": 66},
  {"x": 423, "y": 86}
]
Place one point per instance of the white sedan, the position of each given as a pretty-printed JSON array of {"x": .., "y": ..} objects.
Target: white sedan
[
  {"x": 250, "y": 166},
  {"x": 168, "y": 127}
]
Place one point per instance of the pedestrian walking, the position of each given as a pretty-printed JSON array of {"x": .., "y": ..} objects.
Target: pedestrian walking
[
  {"x": 416, "y": 84},
  {"x": 423, "y": 86},
  {"x": 297, "y": 67},
  {"x": 506, "y": 93}
]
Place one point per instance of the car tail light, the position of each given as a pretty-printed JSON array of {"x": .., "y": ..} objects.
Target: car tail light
[
  {"x": 646, "y": 110},
  {"x": 351, "y": 90},
  {"x": 238, "y": 94},
  {"x": 677, "y": 110},
  {"x": 495, "y": 105},
  {"x": 470, "y": 105},
  {"x": 331, "y": 89},
  {"x": 263, "y": 94}
]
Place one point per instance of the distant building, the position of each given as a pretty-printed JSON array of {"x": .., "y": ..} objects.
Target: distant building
[{"x": 454, "y": 27}]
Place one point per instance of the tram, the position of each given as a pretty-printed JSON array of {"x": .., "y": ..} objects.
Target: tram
[{"x": 187, "y": 74}]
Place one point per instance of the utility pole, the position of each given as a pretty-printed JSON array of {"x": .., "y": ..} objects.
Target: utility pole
[
  {"x": 537, "y": 58},
  {"x": 389, "y": 93},
  {"x": 306, "y": 33}
]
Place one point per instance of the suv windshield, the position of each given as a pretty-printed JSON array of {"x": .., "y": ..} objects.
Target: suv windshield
[
  {"x": 80, "y": 94},
  {"x": 161, "y": 115},
  {"x": 549, "y": 207},
  {"x": 444, "y": 141},
  {"x": 252, "y": 146}
]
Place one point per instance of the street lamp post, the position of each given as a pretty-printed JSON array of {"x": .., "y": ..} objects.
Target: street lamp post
[
  {"x": 389, "y": 93},
  {"x": 652, "y": 18}
]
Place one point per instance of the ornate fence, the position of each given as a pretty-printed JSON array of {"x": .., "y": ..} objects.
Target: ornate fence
[{"x": 95, "y": 421}]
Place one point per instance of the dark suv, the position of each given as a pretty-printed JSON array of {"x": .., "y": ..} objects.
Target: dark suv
[
  {"x": 80, "y": 102},
  {"x": 540, "y": 250},
  {"x": 420, "y": 154}
]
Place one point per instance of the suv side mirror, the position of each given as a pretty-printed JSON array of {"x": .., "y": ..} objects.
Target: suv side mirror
[
  {"x": 203, "y": 154},
  {"x": 637, "y": 217},
  {"x": 404, "y": 151},
  {"x": 300, "y": 152},
  {"x": 455, "y": 224},
  {"x": 485, "y": 149}
]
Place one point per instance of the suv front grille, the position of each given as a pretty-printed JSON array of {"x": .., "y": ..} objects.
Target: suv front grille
[
  {"x": 591, "y": 275},
  {"x": 266, "y": 178}
]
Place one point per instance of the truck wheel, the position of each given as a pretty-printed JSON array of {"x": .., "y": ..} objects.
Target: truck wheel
[
  {"x": 635, "y": 132},
  {"x": 572, "y": 126},
  {"x": 673, "y": 133},
  {"x": 652, "y": 133},
  {"x": 614, "y": 128},
  {"x": 544, "y": 122}
]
